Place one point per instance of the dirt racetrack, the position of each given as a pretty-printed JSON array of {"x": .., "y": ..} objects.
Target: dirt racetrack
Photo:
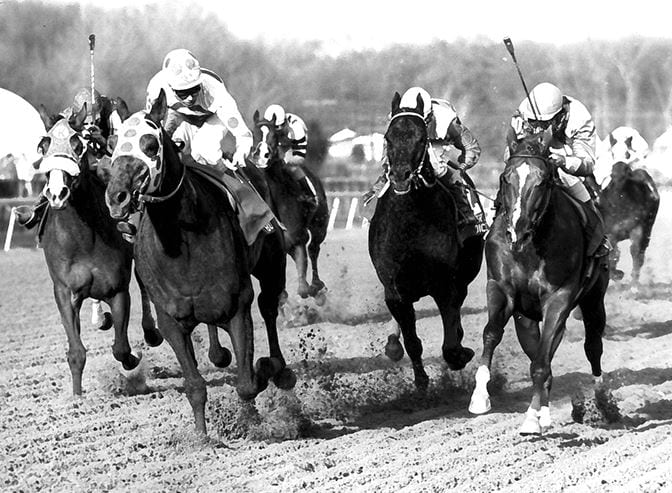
[{"x": 354, "y": 422}]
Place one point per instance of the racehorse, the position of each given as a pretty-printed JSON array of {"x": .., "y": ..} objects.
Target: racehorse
[
  {"x": 629, "y": 205},
  {"x": 85, "y": 254},
  {"x": 191, "y": 254},
  {"x": 414, "y": 246},
  {"x": 538, "y": 271},
  {"x": 306, "y": 224}
]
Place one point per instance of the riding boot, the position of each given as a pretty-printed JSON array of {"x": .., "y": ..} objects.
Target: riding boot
[
  {"x": 29, "y": 217},
  {"x": 596, "y": 239},
  {"x": 376, "y": 189}
]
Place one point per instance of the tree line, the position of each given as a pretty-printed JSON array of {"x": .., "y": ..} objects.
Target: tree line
[{"x": 44, "y": 56}]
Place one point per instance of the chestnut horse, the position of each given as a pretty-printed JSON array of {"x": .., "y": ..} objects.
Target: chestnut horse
[
  {"x": 192, "y": 256},
  {"x": 306, "y": 223},
  {"x": 414, "y": 246},
  {"x": 538, "y": 271},
  {"x": 85, "y": 254}
]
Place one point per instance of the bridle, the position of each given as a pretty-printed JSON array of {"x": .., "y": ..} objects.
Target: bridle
[{"x": 416, "y": 169}]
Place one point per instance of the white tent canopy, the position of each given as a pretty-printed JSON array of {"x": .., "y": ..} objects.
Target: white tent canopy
[{"x": 20, "y": 131}]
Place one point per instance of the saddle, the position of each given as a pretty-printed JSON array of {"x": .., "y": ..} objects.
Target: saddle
[
  {"x": 591, "y": 223},
  {"x": 253, "y": 213}
]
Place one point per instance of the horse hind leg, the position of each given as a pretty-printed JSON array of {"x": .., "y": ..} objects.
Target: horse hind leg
[
  {"x": 639, "y": 242},
  {"x": 450, "y": 302},
  {"x": 68, "y": 307},
  {"x": 594, "y": 321},
  {"x": 152, "y": 335},
  {"x": 298, "y": 253},
  {"x": 316, "y": 284},
  {"x": 218, "y": 354},
  {"x": 404, "y": 313},
  {"x": 121, "y": 310},
  {"x": 179, "y": 338}
]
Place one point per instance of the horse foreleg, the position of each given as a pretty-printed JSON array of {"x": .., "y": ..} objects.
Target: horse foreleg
[
  {"x": 499, "y": 312},
  {"x": 179, "y": 338},
  {"x": 615, "y": 255},
  {"x": 218, "y": 354},
  {"x": 68, "y": 307},
  {"x": 121, "y": 310},
  {"x": 152, "y": 336},
  {"x": 449, "y": 302},
  {"x": 298, "y": 253},
  {"x": 316, "y": 284},
  {"x": 555, "y": 313},
  {"x": 404, "y": 313}
]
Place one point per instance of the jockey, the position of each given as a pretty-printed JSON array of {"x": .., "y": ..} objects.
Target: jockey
[
  {"x": 97, "y": 130},
  {"x": 204, "y": 120},
  {"x": 295, "y": 155},
  {"x": 452, "y": 151},
  {"x": 573, "y": 144}
]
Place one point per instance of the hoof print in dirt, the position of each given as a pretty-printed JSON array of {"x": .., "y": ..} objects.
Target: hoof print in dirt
[{"x": 598, "y": 410}]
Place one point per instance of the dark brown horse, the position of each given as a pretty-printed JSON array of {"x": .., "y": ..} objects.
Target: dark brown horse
[
  {"x": 414, "y": 247},
  {"x": 85, "y": 254},
  {"x": 629, "y": 205},
  {"x": 191, "y": 254},
  {"x": 306, "y": 223},
  {"x": 538, "y": 271}
]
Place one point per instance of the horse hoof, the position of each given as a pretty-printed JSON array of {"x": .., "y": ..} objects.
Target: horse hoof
[
  {"x": 285, "y": 379},
  {"x": 283, "y": 298},
  {"x": 421, "y": 382},
  {"x": 479, "y": 404},
  {"x": 107, "y": 322},
  {"x": 617, "y": 275},
  {"x": 132, "y": 361},
  {"x": 457, "y": 358},
  {"x": 393, "y": 348},
  {"x": 320, "y": 298},
  {"x": 220, "y": 358},
  {"x": 531, "y": 424},
  {"x": 153, "y": 337}
]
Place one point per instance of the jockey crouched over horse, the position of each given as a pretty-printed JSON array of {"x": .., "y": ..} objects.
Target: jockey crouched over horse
[
  {"x": 192, "y": 249},
  {"x": 415, "y": 243},
  {"x": 204, "y": 122},
  {"x": 452, "y": 150},
  {"x": 546, "y": 252}
]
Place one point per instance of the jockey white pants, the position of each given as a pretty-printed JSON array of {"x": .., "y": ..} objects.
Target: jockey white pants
[
  {"x": 207, "y": 143},
  {"x": 574, "y": 185}
]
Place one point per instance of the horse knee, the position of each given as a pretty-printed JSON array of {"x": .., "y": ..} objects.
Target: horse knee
[{"x": 76, "y": 359}]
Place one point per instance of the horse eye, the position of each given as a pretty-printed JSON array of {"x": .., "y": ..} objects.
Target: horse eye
[
  {"x": 149, "y": 145},
  {"x": 76, "y": 145}
]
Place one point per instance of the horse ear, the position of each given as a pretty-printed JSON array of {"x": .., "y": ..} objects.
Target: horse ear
[
  {"x": 420, "y": 105},
  {"x": 255, "y": 117},
  {"x": 122, "y": 108},
  {"x": 47, "y": 119},
  {"x": 77, "y": 119},
  {"x": 511, "y": 139},
  {"x": 612, "y": 141},
  {"x": 628, "y": 142},
  {"x": 396, "y": 100},
  {"x": 158, "y": 110},
  {"x": 545, "y": 139}
]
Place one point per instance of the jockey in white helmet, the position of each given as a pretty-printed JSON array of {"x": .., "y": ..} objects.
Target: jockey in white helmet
[
  {"x": 452, "y": 151},
  {"x": 201, "y": 112},
  {"x": 204, "y": 118},
  {"x": 573, "y": 142},
  {"x": 294, "y": 157}
]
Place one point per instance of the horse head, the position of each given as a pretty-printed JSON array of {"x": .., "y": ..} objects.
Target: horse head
[
  {"x": 269, "y": 143},
  {"x": 406, "y": 141},
  {"x": 64, "y": 158},
  {"x": 526, "y": 182},
  {"x": 137, "y": 164}
]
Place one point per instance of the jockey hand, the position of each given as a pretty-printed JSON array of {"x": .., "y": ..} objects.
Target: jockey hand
[
  {"x": 238, "y": 158},
  {"x": 557, "y": 160},
  {"x": 97, "y": 142}
]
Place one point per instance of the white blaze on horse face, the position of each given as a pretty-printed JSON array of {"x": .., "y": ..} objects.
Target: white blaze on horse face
[
  {"x": 523, "y": 171},
  {"x": 264, "y": 151},
  {"x": 56, "y": 191}
]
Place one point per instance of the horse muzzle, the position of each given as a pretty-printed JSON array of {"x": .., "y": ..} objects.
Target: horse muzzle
[{"x": 118, "y": 203}]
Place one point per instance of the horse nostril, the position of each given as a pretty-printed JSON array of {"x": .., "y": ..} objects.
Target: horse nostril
[
  {"x": 62, "y": 194},
  {"x": 122, "y": 197}
]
